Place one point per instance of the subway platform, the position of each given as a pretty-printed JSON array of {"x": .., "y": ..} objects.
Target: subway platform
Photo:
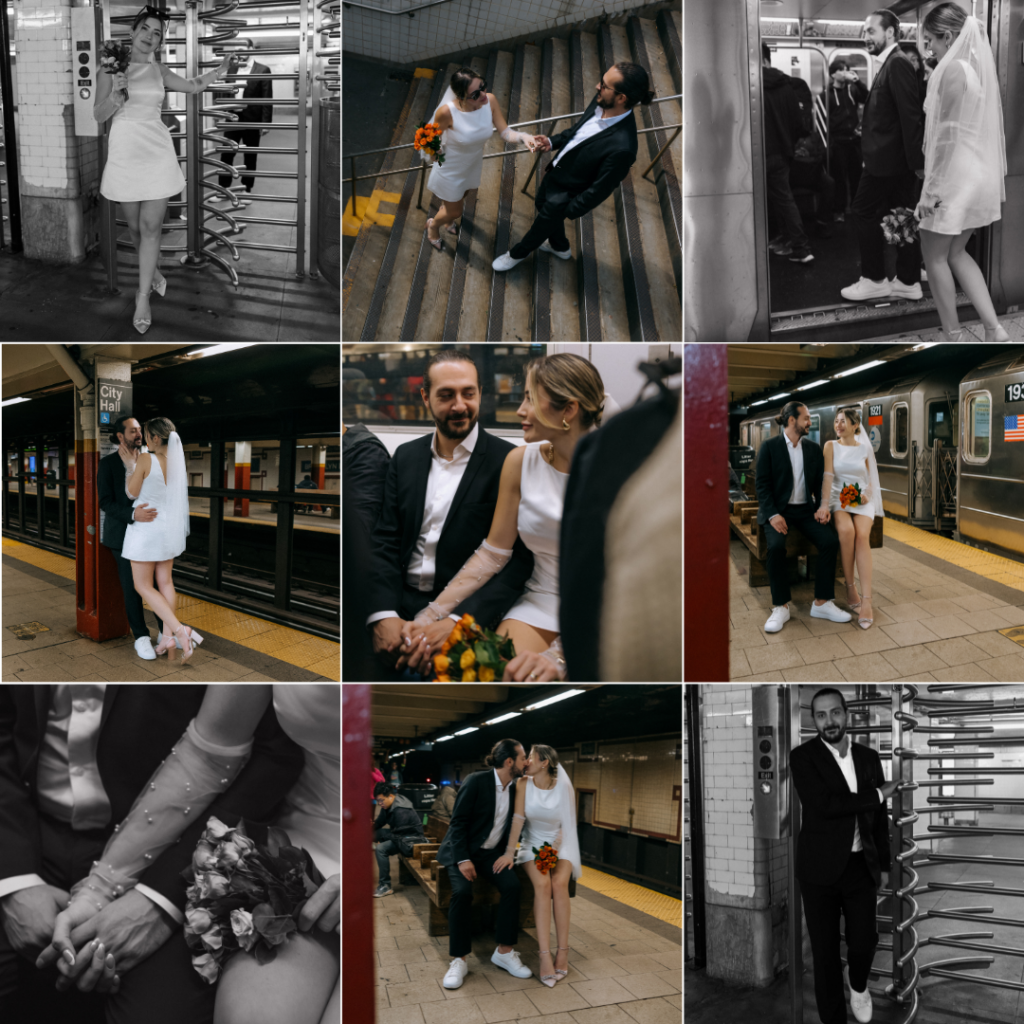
[
  {"x": 944, "y": 612},
  {"x": 625, "y": 964},
  {"x": 41, "y": 645}
]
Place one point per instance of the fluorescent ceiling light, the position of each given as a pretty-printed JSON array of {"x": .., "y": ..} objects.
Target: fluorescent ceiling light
[
  {"x": 924, "y": 345},
  {"x": 15, "y": 401},
  {"x": 441, "y": 739},
  {"x": 472, "y": 728},
  {"x": 813, "y": 384},
  {"x": 552, "y": 700},
  {"x": 784, "y": 394},
  {"x": 504, "y": 718},
  {"x": 216, "y": 350},
  {"x": 763, "y": 400},
  {"x": 857, "y": 369}
]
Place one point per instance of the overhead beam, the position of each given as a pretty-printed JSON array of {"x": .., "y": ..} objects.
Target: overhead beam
[
  {"x": 489, "y": 693},
  {"x": 428, "y": 703}
]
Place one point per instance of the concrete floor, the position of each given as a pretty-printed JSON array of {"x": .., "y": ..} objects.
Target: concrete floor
[{"x": 942, "y": 1000}]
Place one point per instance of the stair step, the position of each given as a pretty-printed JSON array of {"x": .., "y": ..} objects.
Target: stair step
[{"x": 668, "y": 33}]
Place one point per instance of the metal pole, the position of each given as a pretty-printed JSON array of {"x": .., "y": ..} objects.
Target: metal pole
[
  {"x": 194, "y": 256},
  {"x": 419, "y": 201},
  {"x": 529, "y": 177},
  {"x": 300, "y": 116},
  {"x": 661, "y": 151},
  {"x": 314, "y": 160},
  {"x": 108, "y": 209},
  {"x": 10, "y": 143},
  {"x": 791, "y": 695}
]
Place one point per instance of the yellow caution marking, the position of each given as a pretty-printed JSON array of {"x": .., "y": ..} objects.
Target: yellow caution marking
[
  {"x": 1014, "y": 633},
  {"x": 312, "y": 653},
  {"x": 424, "y": 73},
  {"x": 983, "y": 563},
  {"x": 367, "y": 210},
  {"x": 657, "y": 904}
]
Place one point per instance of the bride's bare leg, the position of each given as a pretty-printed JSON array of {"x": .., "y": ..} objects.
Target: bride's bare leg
[
  {"x": 298, "y": 987},
  {"x": 560, "y": 900},
  {"x": 332, "y": 1011},
  {"x": 526, "y": 637},
  {"x": 142, "y": 574},
  {"x": 542, "y": 915},
  {"x": 165, "y": 585}
]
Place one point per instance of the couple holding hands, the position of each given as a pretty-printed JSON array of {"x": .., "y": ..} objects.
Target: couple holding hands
[{"x": 594, "y": 155}]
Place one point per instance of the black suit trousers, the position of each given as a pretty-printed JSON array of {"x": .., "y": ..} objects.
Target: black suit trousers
[
  {"x": 801, "y": 517},
  {"x": 853, "y": 896},
  {"x": 163, "y": 989},
  {"x": 132, "y": 598},
  {"x": 506, "y": 929},
  {"x": 875, "y": 198},
  {"x": 246, "y": 136},
  {"x": 549, "y": 223}
]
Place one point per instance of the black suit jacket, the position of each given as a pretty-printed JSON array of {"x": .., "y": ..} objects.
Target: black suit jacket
[
  {"x": 116, "y": 508},
  {"x": 588, "y": 174},
  {"x": 473, "y": 819},
  {"x": 255, "y": 88},
  {"x": 138, "y": 726},
  {"x": 601, "y": 464},
  {"x": 467, "y": 524},
  {"x": 892, "y": 140},
  {"x": 774, "y": 476},
  {"x": 829, "y": 809}
]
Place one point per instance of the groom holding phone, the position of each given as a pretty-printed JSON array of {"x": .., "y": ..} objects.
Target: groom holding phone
[{"x": 595, "y": 154}]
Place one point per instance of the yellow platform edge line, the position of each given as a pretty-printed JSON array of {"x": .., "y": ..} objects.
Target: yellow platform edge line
[
  {"x": 424, "y": 73},
  {"x": 656, "y": 904},
  {"x": 276, "y": 640},
  {"x": 982, "y": 563}
]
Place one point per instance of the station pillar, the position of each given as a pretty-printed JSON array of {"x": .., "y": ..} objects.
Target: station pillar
[
  {"x": 243, "y": 462},
  {"x": 318, "y": 467},
  {"x": 99, "y": 607}
]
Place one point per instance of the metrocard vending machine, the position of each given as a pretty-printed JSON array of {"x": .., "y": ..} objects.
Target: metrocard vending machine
[{"x": 771, "y": 724}]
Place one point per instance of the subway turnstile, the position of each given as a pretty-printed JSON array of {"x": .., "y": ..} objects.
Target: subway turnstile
[
  {"x": 950, "y": 739},
  {"x": 208, "y": 34}
]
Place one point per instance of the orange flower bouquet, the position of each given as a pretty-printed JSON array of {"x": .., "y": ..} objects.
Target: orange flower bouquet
[
  {"x": 472, "y": 654},
  {"x": 851, "y": 495},
  {"x": 428, "y": 139},
  {"x": 546, "y": 858}
]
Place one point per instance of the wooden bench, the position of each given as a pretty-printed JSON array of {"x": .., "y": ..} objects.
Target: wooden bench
[
  {"x": 423, "y": 869},
  {"x": 436, "y": 827},
  {"x": 743, "y": 522}
]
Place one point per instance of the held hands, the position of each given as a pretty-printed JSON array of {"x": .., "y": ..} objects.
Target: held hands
[
  {"x": 419, "y": 643},
  {"x": 823, "y": 515},
  {"x": 323, "y": 908},
  {"x": 541, "y": 143},
  {"x": 29, "y": 915}
]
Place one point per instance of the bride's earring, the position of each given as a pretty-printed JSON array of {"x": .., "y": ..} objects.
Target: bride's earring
[{"x": 565, "y": 426}]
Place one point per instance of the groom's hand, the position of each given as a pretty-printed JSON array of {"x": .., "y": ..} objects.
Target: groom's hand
[
  {"x": 779, "y": 524},
  {"x": 387, "y": 634},
  {"x": 542, "y": 142},
  {"x": 144, "y": 514},
  {"x": 29, "y": 916}
]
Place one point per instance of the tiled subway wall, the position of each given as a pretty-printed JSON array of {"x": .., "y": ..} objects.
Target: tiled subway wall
[{"x": 459, "y": 25}]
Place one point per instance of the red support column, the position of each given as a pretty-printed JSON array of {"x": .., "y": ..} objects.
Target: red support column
[
  {"x": 243, "y": 453},
  {"x": 357, "y": 960},
  {"x": 706, "y": 532}
]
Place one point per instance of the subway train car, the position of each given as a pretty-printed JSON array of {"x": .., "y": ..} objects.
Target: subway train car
[
  {"x": 736, "y": 288},
  {"x": 918, "y": 431},
  {"x": 990, "y": 492}
]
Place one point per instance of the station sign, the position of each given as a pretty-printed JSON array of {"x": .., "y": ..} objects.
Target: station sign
[
  {"x": 875, "y": 427},
  {"x": 113, "y": 400}
]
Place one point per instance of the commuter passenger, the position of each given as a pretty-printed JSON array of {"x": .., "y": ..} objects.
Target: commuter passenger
[
  {"x": 445, "y": 802},
  {"x": 366, "y": 465},
  {"x": 845, "y": 93},
  {"x": 396, "y": 830},
  {"x": 783, "y": 125}
]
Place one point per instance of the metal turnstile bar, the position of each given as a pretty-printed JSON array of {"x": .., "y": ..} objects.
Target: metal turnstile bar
[{"x": 966, "y": 771}]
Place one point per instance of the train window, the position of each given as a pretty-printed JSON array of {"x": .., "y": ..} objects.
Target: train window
[
  {"x": 815, "y": 432},
  {"x": 898, "y": 430},
  {"x": 745, "y": 434},
  {"x": 977, "y": 427},
  {"x": 766, "y": 431},
  {"x": 941, "y": 424}
]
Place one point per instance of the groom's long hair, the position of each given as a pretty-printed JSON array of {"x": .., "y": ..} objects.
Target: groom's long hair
[{"x": 635, "y": 85}]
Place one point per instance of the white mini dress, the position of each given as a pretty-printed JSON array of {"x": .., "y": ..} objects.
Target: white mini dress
[
  {"x": 463, "y": 153},
  {"x": 849, "y": 466}
]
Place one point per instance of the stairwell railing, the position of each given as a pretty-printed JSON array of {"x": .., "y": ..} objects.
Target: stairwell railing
[{"x": 550, "y": 119}]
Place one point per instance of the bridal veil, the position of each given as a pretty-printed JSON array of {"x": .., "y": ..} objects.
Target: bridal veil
[{"x": 177, "y": 522}]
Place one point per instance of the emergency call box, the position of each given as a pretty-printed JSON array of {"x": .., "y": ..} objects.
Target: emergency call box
[
  {"x": 84, "y": 69},
  {"x": 771, "y": 736}
]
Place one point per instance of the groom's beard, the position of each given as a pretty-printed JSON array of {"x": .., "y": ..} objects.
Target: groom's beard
[
  {"x": 455, "y": 433},
  {"x": 834, "y": 734}
]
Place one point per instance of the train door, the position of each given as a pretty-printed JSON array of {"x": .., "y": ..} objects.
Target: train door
[{"x": 894, "y": 457}]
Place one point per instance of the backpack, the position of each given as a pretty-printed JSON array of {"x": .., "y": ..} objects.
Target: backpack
[{"x": 809, "y": 149}]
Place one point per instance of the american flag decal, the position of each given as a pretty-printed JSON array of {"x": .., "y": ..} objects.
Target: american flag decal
[{"x": 1013, "y": 428}]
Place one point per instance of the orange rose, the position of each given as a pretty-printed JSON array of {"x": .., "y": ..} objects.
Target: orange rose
[{"x": 441, "y": 663}]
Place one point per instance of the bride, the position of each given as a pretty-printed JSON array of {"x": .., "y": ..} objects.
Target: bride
[
  {"x": 300, "y": 986},
  {"x": 545, "y": 812},
  {"x": 849, "y": 465},
  {"x": 964, "y": 163},
  {"x": 564, "y": 399},
  {"x": 467, "y": 116},
  {"x": 159, "y": 478}
]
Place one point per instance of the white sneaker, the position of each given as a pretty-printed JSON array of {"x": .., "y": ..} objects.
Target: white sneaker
[
  {"x": 511, "y": 962},
  {"x": 457, "y": 971},
  {"x": 567, "y": 255},
  {"x": 865, "y": 288},
  {"x": 906, "y": 291},
  {"x": 506, "y": 262},
  {"x": 828, "y": 610},
  {"x": 860, "y": 1003},
  {"x": 144, "y": 648},
  {"x": 778, "y": 618}
]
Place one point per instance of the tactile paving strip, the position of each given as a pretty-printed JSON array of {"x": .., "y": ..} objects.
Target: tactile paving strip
[
  {"x": 657, "y": 904},
  {"x": 289, "y": 645},
  {"x": 984, "y": 563}
]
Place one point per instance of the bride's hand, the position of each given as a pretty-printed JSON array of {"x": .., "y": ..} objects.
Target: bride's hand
[
  {"x": 323, "y": 908},
  {"x": 77, "y": 913},
  {"x": 129, "y": 456},
  {"x": 504, "y": 861},
  {"x": 530, "y": 667}
]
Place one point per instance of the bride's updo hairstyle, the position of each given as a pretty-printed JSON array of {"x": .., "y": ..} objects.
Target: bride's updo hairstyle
[
  {"x": 159, "y": 426},
  {"x": 500, "y": 753},
  {"x": 462, "y": 79},
  {"x": 852, "y": 414},
  {"x": 566, "y": 377},
  {"x": 549, "y": 754},
  {"x": 947, "y": 17}
]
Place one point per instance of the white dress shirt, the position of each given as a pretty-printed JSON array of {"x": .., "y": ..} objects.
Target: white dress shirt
[
  {"x": 846, "y": 766},
  {"x": 68, "y": 779},
  {"x": 500, "y": 814},
  {"x": 595, "y": 124},
  {"x": 442, "y": 483},
  {"x": 796, "y": 459},
  {"x": 884, "y": 56}
]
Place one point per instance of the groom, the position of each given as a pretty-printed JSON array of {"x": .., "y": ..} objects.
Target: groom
[
  {"x": 595, "y": 154},
  {"x": 73, "y": 759},
  {"x": 476, "y": 838},
  {"x": 790, "y": 471},
  {"x": 439, "y": 499},
  {"x": 116, "y": 512}
]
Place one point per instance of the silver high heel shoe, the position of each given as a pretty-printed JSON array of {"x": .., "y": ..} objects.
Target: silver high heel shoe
[
  {"x": 161, "y": 288},
  {"x": 558, "y": 970},
  {"x": 853, "y": 587},
  {"x": 547, "y": 979},
  {"x": 862, "y": 621},
  {"x": 140, "y": 323}
]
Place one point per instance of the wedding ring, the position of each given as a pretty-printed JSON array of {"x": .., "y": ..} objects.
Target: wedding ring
[{"x": 533, "y": 675}]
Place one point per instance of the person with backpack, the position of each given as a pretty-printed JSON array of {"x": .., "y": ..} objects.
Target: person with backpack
[
  {"x": 783, "y": 126},
  {"x": 845, "y": 94},
  {"x": 396, "y": 829}
]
